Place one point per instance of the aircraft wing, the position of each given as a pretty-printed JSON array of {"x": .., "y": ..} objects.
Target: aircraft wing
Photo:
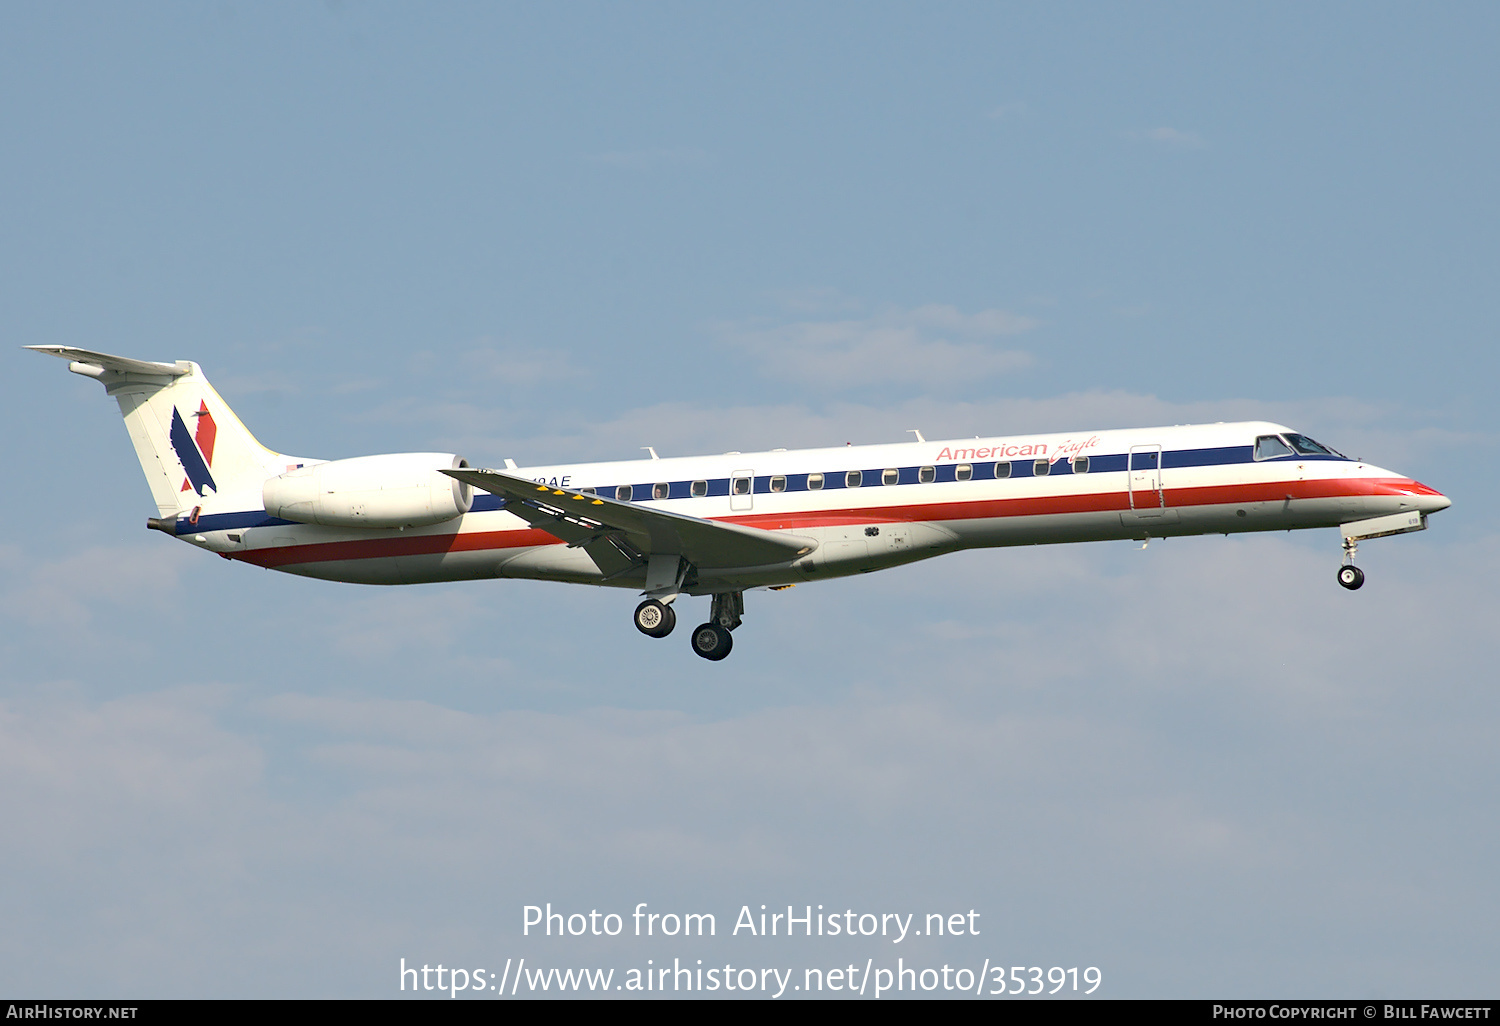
[{"x": 619, "y": 535}]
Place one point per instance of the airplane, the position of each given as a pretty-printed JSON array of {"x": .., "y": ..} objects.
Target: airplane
[{"x": 720, "y": 525}]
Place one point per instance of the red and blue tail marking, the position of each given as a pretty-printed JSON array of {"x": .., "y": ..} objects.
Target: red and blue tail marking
[{"x": 195, "y": 451}]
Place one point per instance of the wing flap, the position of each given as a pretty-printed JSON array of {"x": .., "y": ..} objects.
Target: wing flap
[{"x": 593, "y": 521}]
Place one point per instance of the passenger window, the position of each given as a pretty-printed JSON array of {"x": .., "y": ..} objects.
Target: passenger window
[
  {"x": 1269, "y": 447},
  {"x": 778, "y": 483},
  {"x": 1080, "y": 464},
  {"x": 591, "y": 491},
  {"x": 660, "y": 490},
  {"x": 699, "y": 489},
  {"x": 1041, "y": 468},
  {"x": 623, "y": 493},
  {"x": 853, "y": 479},
  {"x": 1002, "y": 470},
  {"x": 890, "y": 476},
  {"x": 927, "y": 475},
  {"x": 742, "y": 486},
  {"x": 963, "y": 472},
  {"x": 814, "y": 482}
]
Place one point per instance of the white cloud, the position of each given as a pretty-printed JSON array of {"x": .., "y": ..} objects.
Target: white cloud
[
  {"x": 1058, "y": 739},
  {"x": 487, "y": 362},
  {"x": 61, "y": 593},
  {"x": 518, "y": 365},
  {"x": 371, "y": 625},
  {"x": 929, "y": 345},
  {"x": 1088, "y": 741},
  {"x": 1380, "y": 432}
]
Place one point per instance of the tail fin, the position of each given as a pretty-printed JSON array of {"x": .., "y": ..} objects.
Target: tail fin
[{"x": 190, "y": 444}]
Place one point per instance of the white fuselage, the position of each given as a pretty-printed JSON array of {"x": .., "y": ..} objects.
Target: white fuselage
[{"x": 866, "y": 507}]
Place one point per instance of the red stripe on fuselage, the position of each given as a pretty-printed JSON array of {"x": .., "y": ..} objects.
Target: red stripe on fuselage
[
  {"x": 380, "y": 548},
  {"x": 1097, "y": 502},
  {"x": 978, "y": 509}
]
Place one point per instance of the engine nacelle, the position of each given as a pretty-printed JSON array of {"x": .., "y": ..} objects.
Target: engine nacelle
[{"x": 396, "y": 490}]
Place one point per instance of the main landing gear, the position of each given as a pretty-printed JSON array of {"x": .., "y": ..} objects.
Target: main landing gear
[
  {"x": 655, "y": 619},
  {"x": 710, "y": 640},
  {"x": 1351, "y": 576}
]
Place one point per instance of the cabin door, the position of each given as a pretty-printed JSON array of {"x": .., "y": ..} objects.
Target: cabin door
[
  {"x": 1143, "y": 468},
  {"x": 741, "y": 490}
]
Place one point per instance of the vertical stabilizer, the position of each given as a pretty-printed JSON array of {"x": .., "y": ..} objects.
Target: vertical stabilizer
[{"x": 192, "y": 447}]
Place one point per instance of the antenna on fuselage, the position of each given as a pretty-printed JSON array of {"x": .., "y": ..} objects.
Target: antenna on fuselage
[{"x": 914, "y": 431}]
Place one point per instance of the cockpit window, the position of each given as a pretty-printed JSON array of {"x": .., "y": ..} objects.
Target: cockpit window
[
  {"x": 1307, "y": 447},
  {"x": 1270, "y": 446}
]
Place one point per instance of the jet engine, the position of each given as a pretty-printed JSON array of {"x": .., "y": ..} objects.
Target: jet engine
[{"x": 395, "y": 490}]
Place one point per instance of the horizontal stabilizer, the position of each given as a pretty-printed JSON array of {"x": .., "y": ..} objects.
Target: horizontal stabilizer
[
  {"x": 119, "y": 364},
  {"x": 580, "y": 518},
  {"x": 190, "y": 444}
]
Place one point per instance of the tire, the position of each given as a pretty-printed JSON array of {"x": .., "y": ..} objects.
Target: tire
[
  {"x": 655, "y": 619},
  {"x": 711, "y": 641},
  {"x": 1351, "y": 577}
]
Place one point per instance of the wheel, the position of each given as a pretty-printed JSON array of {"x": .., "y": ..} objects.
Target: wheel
[
  {"x": 711, "y": 641},
  {"x": 1351, "y": 577},
  {"x": 655, "y": 619}
]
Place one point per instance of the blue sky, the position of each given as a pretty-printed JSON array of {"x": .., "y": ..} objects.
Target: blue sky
[{"x": 553, "y": 233}]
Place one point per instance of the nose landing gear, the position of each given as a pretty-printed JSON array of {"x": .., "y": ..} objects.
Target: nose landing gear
[{"x": 1351, "y": 576}]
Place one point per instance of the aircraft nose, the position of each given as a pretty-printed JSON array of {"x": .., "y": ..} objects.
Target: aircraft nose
[{"x": 1430, "y": 500}]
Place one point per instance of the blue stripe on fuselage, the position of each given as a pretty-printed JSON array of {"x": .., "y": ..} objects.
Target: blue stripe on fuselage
[
  {"x": 483, "y": 503},
  {"x": 945, "y": 473}
]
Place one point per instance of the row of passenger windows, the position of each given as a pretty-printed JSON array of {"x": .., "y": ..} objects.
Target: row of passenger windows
[
  {"x": 1266, "y": 447},
  {"x": 852, "y": 479}
]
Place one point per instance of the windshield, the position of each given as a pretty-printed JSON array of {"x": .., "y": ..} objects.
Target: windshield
[
  {"x": 1307, "y": 447},
  {"x": 1269, "y": 447}
]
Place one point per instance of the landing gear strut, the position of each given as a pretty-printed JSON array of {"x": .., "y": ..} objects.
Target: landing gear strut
[
  {"x": 727, "y": 609},
  {"x": 655, "y": 619},
  {"x": 711, "y": 640},
  {"x": 1351, "y": 576}
]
